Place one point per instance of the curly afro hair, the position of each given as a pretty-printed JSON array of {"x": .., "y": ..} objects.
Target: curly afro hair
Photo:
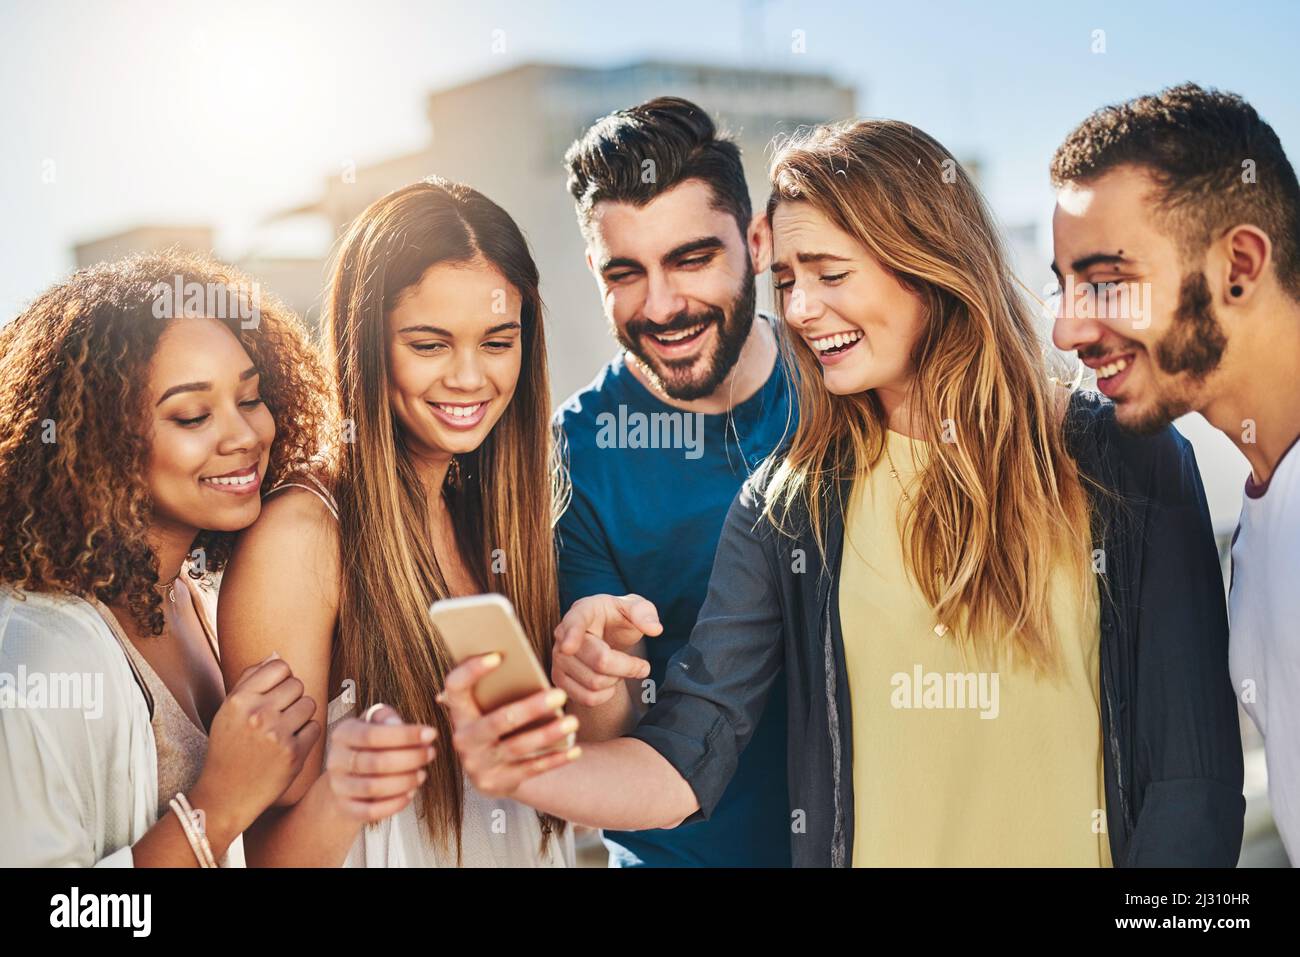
[{"x": 74, "y": 436}]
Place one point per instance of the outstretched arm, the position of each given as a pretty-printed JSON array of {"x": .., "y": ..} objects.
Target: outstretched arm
[{"x": 680, "y": 758}]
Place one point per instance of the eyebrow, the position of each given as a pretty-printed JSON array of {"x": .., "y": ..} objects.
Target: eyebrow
[
  {"x": 1085, "y": 263},
  {"x": 200, "y": 386},
  {"x": 439, "y": 331},
  {"x": 703, "y": 244},
  {"x": 806, "y": 258}
]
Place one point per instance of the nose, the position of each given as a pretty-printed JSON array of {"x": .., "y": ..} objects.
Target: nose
[
  {"x": 1074, "y": 329},
  {"x": 465, "y": 374},
  {"x": 662, "y": 301},
  {"x": 237, "y": 433}
]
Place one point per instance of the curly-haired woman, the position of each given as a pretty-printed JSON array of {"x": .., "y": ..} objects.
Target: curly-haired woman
[{"x": 136, "y": 430}]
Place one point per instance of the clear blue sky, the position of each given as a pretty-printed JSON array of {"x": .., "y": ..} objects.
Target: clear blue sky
[{"x": 223, "y": 112}]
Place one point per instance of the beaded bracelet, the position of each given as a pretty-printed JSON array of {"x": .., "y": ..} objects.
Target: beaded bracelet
[{"x": 194, "y": 833}]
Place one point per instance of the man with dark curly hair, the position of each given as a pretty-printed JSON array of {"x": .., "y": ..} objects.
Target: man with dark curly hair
[{"x": 1177, "y": 234}]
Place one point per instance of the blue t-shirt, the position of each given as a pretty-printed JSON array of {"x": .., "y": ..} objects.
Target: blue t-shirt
[{"x": 651, "y": 488}]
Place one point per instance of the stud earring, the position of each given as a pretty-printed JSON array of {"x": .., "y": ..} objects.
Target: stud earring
[{"x": 1236, "y": 290}]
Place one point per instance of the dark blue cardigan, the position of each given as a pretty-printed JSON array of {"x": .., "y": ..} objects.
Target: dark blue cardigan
[{"x": 1173, "y": 762}]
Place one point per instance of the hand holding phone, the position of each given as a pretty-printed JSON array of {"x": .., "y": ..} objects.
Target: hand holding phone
[
  {"x": 509, "y": 721},
  {"x": 497, "y": 750}
]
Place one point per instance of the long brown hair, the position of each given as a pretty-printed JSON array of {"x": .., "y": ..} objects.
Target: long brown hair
[
  {"x": 1000, "y": 501},
  {"x": 504, "y": 505},
  {"x": 75, "y": 511}
]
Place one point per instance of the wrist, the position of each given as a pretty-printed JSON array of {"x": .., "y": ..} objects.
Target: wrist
[
  {"x": 222, "y": 823},
  {"x": 330, "y": 806}
]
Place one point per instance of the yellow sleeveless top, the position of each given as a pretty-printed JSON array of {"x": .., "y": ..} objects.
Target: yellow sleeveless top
[{"x": 959, "y": 763}]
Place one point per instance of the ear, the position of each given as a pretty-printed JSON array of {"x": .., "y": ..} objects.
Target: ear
[
  {"x": 595, "y": 273},
  {"x": 1249, "y": 253},
  {"x": 759, "y": 241}
]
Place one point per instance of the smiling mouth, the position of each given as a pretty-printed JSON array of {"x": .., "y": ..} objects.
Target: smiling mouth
[
  {"x": 459, "y": 411},
  {"x": 1113, "y": 368},
  {"x": 240, "y": 480},
  {"x": 459, "y": 415},
  {"x": 679, "y": 337},
  {"x": 1113, "y": 373},
  {"x": 834, "y": 345}
]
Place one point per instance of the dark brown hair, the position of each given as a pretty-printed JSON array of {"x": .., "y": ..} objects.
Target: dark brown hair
[
  {"x": 1198, "y": 145},
  {"x": 74, "y": 512},
  {"x": 634, "y": 155}
]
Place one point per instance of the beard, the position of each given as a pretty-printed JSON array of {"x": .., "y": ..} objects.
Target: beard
[
  {"x": 1191, "y": 350},
  {"x": 679, "y": 378}
]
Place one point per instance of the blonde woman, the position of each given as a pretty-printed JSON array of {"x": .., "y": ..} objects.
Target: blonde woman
[
  {"x": 441, "y": 486},
  {"x": 1000, "y": 619}
]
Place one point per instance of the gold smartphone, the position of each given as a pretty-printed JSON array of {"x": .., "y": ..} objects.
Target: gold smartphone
[{"x": 480, "y": 625}]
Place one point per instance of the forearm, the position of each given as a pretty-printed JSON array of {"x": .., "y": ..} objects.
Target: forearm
[
  {"x": 312, "y": 832},
  {"x": 612, "y": 719},
  {"x": 623, "y": 785}
]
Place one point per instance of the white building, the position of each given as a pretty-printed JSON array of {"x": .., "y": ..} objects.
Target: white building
[{"x": 505, "y": 134}]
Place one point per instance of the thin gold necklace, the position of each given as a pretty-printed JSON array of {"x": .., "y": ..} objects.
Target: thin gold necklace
[
  {"x": 893, "y": 470},
  {"x": 940, "y": 628}
]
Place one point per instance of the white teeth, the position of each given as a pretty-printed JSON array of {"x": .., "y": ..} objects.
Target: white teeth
[
  {"x": 233, "y": 479},
  {"x": 678, "y": 336},
  {"x": 839, "y": 339},
  {"x": 1112, "y": 368},
  {"x": 460, "y": 411}
]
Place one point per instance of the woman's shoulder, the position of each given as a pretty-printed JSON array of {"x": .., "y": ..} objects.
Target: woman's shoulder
[
  {"x": 299, "y": 509},
  {"x": 316, "y": 483},
  {"x": 764, "y": 506},
  {"x": 286, "y": 563}
]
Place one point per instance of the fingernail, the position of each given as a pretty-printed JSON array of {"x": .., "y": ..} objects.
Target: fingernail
[
  {"x": 556, "y": 698},
  {"x": 574, "y": 753},
  {"x": 492, "y": 660},
  {"x": 440, "y": 697},
  {"x": 428, "y": 734},
  {"x": 421, "y": 777},
  {"x": 569, "y": 724}
]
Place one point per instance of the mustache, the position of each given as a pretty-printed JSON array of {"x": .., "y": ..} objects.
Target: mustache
[
  {"x": 1099, "y": 351},
  {"x": 636, "y": 328}
]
